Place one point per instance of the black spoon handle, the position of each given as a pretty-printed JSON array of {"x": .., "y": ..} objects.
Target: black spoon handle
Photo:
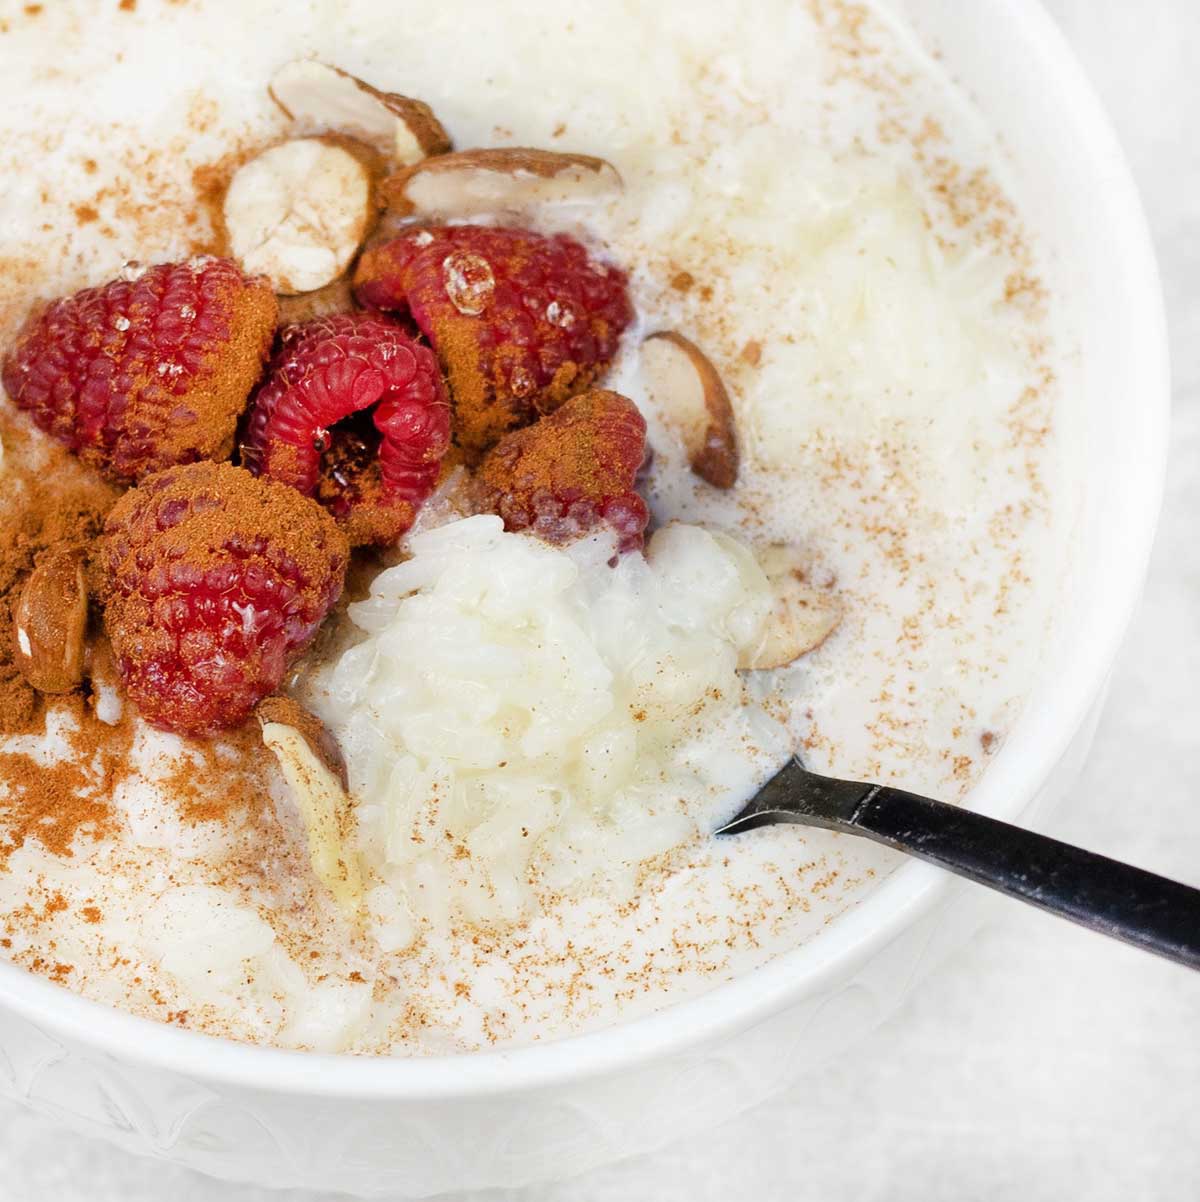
[{"x": 1149, "y": 911}]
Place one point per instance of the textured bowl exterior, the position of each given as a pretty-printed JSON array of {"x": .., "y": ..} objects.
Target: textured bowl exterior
[{"x": 415, "y": 1128}]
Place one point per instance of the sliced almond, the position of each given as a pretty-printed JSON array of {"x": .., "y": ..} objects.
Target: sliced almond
[
  {"x": 285, "y": 711},
  {"x": 689, "y": 393},
  {"x": 328, "y": 98},
  {"x": 802, "y": 617},
  {"x": 324, "y": 809},
  {"x": 470, "y": 182},
  {"x": 50, "y": 623},
  {"x": 298, "y": 212}
]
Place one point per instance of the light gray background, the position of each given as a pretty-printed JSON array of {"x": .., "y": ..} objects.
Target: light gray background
[{"x": 1042, "y": 1063}]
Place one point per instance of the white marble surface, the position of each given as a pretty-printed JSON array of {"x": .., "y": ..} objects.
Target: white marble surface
[{"x": 1043, "y": 1062}]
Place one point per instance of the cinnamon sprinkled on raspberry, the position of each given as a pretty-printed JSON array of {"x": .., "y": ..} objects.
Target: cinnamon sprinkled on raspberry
[
  {"x": 213, "y": 582},
  {"x": 149, "y": 370},
  {"x": 520, "y": 321},
  {"x": 571, "y": 471}
]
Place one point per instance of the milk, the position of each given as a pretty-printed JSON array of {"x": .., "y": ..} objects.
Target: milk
[{"x": 809, "y": 199}]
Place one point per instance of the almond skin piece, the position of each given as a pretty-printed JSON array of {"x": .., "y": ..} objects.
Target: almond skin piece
[
  {"x": 470, "y": 182},
  {"x": 328, "y": 98},
  {"x": 691, "y": 396},
  {"x": 50, "y": 623}
]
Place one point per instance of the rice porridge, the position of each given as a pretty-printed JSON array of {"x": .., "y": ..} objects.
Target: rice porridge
[{"x": 541, "y": 711}]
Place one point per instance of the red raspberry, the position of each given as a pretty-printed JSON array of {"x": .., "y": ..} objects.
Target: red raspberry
[
  {"x": 570, "y": 472},
  {"x": 310, "y": 425},
  {"x": 213, "y": 582},
  {"x": 521, "y": 322},
  {"x": 147, "y": 371}
]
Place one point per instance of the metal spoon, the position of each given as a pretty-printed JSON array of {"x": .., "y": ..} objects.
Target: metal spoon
[{"x": 1151, "y": 912}]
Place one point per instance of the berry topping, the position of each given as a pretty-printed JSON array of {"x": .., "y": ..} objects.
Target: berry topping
[
  {"x": 213, "y": 582},
  {"x": 570, "y": 472},
  {"x": 520, "y": 321},
  {"x": 353, "y": 413},
  {"x": 150, "y": 370}
]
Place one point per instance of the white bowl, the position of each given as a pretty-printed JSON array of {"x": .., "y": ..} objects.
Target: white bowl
[{"x": 417, "y": 1127}]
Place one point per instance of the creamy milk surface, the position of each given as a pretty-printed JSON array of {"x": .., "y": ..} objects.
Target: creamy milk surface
[{"x": 808, "y": 198}]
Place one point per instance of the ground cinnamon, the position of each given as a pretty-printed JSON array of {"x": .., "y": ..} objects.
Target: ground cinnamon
[
  {"x": 51, "y": 803},
  {"x": 570, "y": 450},
  {"x": 50, "y": 500},
  {"x": 221, "y": 782}
]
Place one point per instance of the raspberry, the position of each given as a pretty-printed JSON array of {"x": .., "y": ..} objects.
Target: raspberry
[
  {"x": 573, "y": 470},
  {"x": 147, "y": 371},
  {"x": 213, "y": 582},
  {"x": 310, "y": 426},
  {"x": 520, "y": 321}
]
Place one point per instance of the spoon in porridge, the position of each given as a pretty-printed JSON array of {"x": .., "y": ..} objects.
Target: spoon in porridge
[{"x": 1138, "y": 907}]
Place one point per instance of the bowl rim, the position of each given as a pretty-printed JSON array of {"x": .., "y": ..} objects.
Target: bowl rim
[{"x": 913, "y": 889}]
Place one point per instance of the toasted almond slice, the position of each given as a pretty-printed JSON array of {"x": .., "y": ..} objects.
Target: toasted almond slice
[
  {"x": 328, "y": 98},
  {"x": 49, "y": 624},
  {"x": 298, "y": 212},
  {"x": 802, "y": 617},
  {"x": 469, "y": 182},
  {"x": 324, "y": 809},
  {"x": 287, "y": 712},
  {"x": 690, "y": 395}
]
